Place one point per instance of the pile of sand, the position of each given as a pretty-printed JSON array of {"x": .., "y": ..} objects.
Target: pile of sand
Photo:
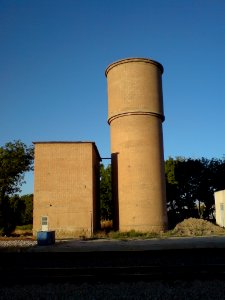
[{"x": 197, "y": 227}]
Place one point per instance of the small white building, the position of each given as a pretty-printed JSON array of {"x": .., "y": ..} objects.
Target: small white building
[{"x": 220, "y": 207}]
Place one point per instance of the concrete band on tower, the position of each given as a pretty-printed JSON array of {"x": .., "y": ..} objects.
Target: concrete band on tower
[
  {"x": 135, "y": 110},
  {"x": 135, "y": 115},
  {"x": 134, "y": 59}
]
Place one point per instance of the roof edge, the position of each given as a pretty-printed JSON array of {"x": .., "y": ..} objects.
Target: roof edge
[
  {"x": 71, "y": 142},
  {"x": 63, "y": 142},
  {"x": 134, "y": 59}
]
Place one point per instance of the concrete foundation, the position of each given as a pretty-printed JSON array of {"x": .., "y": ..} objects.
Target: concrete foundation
[{"x": 135, "y": 116}]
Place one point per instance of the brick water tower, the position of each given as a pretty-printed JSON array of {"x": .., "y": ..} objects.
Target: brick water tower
[{"x": 135, "y": 116}]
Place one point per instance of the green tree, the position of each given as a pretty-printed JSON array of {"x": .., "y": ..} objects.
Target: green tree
[
  {"x": 15, "y": 159},
  {"x": 212, "y": 179},
  {"x": 180, "y": 194},
  {"x": 106, "y": 206},
  {"x": 16, "y": 208},
  {"x": 21, "y": 208},
  {"x": 191, "y": 184},
  {"x": 27, "y": 214}
]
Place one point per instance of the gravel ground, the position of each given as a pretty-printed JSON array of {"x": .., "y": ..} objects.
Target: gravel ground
[
  {"x": 17, "y": 243},
  {"x": 115, "y": 245},
  {"x": 213, "y": 289},
  {"x": 207, "y": 289}
]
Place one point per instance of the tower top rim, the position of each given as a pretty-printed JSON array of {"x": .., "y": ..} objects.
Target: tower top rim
[{"x": 134, "y": 59}]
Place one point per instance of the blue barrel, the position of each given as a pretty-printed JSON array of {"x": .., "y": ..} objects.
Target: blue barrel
[{"x": 45, "y": 238}]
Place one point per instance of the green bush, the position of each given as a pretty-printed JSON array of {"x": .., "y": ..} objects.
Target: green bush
[
  {"x": 24, "y": 227},
  {"x": 132, "y": 234},
  {"x": 1, "y": 231}
]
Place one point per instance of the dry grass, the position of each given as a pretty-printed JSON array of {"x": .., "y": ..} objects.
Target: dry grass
[
  {"x": 21, "y": 232},
  {"x": 106, "y": 225},
  {"x": 188, "y": 227},
  {"x": 196, "y": 227}
]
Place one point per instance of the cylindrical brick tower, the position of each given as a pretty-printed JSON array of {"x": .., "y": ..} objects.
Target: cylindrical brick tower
[{"x": 135, "y": 116}]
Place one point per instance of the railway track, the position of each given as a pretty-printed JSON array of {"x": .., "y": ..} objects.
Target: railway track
[{"x": 111, "y": 266}]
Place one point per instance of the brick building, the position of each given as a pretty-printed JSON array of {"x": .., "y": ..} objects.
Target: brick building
[{"x": 66, "y": 188}]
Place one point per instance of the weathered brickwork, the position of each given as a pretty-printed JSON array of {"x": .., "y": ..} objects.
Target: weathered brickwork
[
  {"x": 135, "y": 116},
  {"x": 66, "y": 176},
  {"x": 66, "y": 187}
]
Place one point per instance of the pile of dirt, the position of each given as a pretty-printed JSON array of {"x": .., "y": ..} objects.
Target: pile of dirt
[{"x": 197, "y": 227}]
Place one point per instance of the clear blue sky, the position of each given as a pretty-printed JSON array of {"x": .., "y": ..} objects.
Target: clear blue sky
[{"x": 53, "y": 55}]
